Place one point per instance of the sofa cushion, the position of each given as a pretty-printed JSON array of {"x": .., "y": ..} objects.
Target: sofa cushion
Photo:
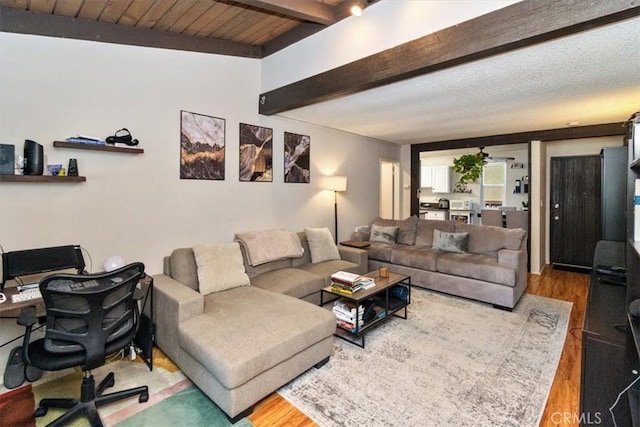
[
  {"x": 246, "y": 331},
  {"x": 477, "y": 266},
  {"x": 383, "y": 234},
  {"x": 425, "y": 227},
  {"x": 450, "y": 242},
  {"x": 422, "y": 257},
  {"x": 327, "y": 268},
  {"x": 321, "y": 244},
  {"x": 406, "y": 228},
  {"x": 380, "y": 251},
  {"x": 487, "y": 239},
  {"x": 220, "y": 267},
  {"x": 183, "y": 267},
  {"x": 290, "y": 281}
]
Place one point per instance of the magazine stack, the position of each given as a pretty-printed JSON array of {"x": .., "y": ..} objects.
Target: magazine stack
[
  {"x": 345, "y": 311},
  {"x": 347, "y": 283}
]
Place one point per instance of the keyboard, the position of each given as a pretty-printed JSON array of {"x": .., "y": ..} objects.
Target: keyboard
[{"x": 26, "y": 295}]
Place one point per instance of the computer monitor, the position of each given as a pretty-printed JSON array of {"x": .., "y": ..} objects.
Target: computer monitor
[{"x": 42, "y": 260}]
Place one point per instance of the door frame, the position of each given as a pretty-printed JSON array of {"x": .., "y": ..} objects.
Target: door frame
[{"x": 389, "y": 169}]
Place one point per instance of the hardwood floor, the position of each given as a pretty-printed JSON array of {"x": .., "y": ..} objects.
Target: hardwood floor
[{"x": 563, "y": 404}]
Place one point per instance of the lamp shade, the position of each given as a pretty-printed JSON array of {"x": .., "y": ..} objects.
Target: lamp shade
[
  {"x": 113, "y": 262},
  {"x": 335, "y": 183}
]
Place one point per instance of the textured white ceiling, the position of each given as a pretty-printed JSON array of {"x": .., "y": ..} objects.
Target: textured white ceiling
[{"x": 590, "y": 78}]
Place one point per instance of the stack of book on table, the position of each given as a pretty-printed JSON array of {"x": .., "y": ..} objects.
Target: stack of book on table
[
  {"x": 345, "y": 312},
  {"x": 347, "y": 283}
]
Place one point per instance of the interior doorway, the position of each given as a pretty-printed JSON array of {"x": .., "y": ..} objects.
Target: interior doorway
[{"x": 389, "y": 189}]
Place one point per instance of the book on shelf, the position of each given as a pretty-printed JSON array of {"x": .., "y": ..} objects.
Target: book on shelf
[
  {"x": 86, "y": 140},
  {"x": 346, "y": 325},
  {"x": 348, "y": 315},
  {"x": 347, "y": 319},
  {"x": 347, "y": 305},
  {"x": 345, "y": 289},
  {"x": 345, "y": 277},
  {"x": 367, "y": 283}
]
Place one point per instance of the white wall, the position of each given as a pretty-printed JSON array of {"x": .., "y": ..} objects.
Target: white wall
[
  {"x": 357, "y": 37},
  {"x": 136, "y": 205}
]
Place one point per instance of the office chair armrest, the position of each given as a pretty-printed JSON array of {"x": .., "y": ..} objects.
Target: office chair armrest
[
  {"x": 27, "y": 317},
  {"x": 173, "y": 303}
]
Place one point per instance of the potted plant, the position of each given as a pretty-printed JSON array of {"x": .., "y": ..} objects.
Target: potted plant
[{"x": 469, "y": 166}]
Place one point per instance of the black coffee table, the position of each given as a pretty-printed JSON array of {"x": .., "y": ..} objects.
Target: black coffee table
[{"x": 385, "y": 305}]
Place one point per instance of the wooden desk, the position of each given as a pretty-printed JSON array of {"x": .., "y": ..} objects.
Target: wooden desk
[{"x": 8, "y": 306}]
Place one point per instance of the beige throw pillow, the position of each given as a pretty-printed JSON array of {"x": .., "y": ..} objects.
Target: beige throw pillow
[
  {"x": 321, "y": 245},
  {"x": 220, "y": 267}
]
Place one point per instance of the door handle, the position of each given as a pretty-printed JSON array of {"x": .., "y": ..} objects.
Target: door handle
[
  {"x": 556, "y": 206},
  {"x": 556, "y": 218}
]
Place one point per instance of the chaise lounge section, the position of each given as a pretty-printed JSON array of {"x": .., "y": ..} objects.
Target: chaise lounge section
[{"x": 240, "y": 344}]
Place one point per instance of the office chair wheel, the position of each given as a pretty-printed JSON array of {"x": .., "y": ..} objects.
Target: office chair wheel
[
  {"x": 143, "y": 397},
  {"x": 32, "y": 373},
  {"x": 40, "y": 411},
  {"x": 111, "y": 381}
]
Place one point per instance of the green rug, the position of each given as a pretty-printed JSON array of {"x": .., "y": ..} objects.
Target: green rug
[
  {"x": 189, "y": 407},
  {"x": 173, "y": 399}
]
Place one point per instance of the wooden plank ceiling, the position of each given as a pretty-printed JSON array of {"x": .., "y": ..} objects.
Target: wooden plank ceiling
[{"x": 256, "y": 28}]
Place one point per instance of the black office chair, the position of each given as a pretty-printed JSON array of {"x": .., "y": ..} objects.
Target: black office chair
[{"x": 88, "y": 317}]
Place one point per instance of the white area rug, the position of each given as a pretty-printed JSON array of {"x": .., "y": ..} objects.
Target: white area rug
[{"x": 453, "y": 362}]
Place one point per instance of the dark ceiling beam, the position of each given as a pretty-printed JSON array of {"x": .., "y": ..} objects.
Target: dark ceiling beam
[
  {"x": 307, "y": 10},
  {"x": 548, "y": 135},
  {"x": 560, "y": 134},
  {"x": 517, "y": 26},
  {"x": 23, "y": 22}
]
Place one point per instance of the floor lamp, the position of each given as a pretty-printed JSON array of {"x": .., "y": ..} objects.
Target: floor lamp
[{"x": 335, "y": 184}]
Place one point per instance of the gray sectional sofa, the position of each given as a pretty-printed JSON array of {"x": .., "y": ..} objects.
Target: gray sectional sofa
[
  {"x": 240, "y": 344},
  {"x": 491, "y": 267}
]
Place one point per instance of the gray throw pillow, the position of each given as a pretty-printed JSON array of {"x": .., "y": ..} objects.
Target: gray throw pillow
[
  {"x": 383, "y": 234},
  {"x": 450, "y": 242}
]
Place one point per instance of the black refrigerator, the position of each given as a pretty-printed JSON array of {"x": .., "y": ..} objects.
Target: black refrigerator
[{"x": 614, "y": 193}]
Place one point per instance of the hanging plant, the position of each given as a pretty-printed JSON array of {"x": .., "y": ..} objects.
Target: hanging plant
[{"x": 469, "y": 166}]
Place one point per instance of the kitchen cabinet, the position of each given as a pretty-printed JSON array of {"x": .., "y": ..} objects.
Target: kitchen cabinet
[
  {"x": 440, "y": 215},
  {"x": 426, "y": 176},
  {"x": 441, "y": 179},
  {"x": 438, "y": 178}
]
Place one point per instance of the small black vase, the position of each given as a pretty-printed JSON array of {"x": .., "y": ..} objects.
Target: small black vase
[{"x": 73, "y": 168}]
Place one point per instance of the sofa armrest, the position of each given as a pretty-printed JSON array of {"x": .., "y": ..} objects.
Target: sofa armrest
[
  {"x": 512, "y": 257},
  {"x": 518, "y": 260},
  {"x": 360, "y": 236},
  {"x": 173, "y": 303},
  {"x": 356, "y": 256}
]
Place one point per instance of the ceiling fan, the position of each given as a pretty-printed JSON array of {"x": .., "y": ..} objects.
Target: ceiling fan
[{"x": 487, "y": 158}]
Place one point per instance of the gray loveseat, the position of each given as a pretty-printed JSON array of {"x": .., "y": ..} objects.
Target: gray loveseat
[
  {"x": 239, "y": 345},
  {"x": 492, "y": 269}
]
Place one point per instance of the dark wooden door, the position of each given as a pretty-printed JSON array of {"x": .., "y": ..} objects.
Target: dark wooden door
[{"x": 575, "y": 209}]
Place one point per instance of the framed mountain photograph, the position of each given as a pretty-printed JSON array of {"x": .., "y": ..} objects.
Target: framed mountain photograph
[{"x": 202, "y": 146}]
